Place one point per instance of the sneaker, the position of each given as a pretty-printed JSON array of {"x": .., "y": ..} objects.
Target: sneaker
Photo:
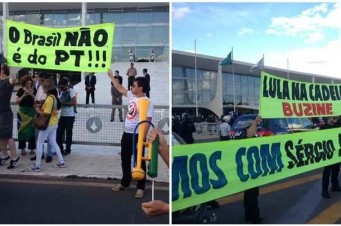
[
  {"x": 118, "y": 187},
  {"x": 13, "y": 163},
  {"x": 34, "y": 168},
  {"x": 4, "y": 160},
  {"x": 61, "y": 164},
  {"x": 139, "y": 194},
  {"x": 49, "y": 159}
]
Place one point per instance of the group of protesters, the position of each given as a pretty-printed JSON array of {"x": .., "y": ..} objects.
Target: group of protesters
[
  {"x": 40, "y": 94},
  {"x": 330, "y": 174}
]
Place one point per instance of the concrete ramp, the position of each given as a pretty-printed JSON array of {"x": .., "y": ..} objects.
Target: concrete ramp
[{"x": 159, "y": 83}]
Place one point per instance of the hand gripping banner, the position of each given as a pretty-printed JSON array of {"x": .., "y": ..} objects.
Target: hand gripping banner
[
  {"x": 87, "y": 48},
  {"x": 208, "y": 171},
  {"x": 283, "y": 98}
]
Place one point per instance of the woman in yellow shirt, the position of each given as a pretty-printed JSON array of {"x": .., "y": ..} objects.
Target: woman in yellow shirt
[{"x": 49, "y": 107}]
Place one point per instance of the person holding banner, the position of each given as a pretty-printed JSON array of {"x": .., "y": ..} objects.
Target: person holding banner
[
  {"x": 187, "y": 129},
  {"x": 138, "y": 91},
  {"x": 330, "y": 172},
  {"x": 252, "y": 213}
]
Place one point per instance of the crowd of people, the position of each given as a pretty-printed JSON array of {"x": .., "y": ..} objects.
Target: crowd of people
[
  {"x": 45, "y": 95},
  {"x": 330, "y": 173},
  {"x": 56, "y": 99}
]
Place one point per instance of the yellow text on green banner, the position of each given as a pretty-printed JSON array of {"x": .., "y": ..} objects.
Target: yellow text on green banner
[
  {"x": 87, "y": 48},
  {"x": 207, "y": 171},
  {"x": 283, "y": 98}
]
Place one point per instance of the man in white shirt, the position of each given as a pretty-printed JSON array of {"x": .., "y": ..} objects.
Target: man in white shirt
[
  {"x": 224, "y": 128},
  {"x": 138, "y": 91}
]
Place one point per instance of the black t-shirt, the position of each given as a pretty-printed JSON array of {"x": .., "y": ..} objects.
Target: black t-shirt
[{"x": 27, "y": 101}]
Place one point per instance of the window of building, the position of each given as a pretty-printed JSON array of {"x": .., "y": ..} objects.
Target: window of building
[
  {"x": 73, "y": 19},
  {"x": 177, "y": 71},
  {"x": 129, "y": 35},
  {"x": 178, "y": 84},
  {"x": 160, "y": 15},
  {"x": 60, "y": 18},
  {"x": 144, "y": 16},
  {"x": 93, "y": 18},
  {"x": 159, "y": 34},
  {"x": 142, "y": 53},
  {"x": 33, "y": 18},
  {"x": 125, "y": 52},
  {"x": 161, "y": 53},
  {"x": 116, "y": 16},
  {"x": 47, "y": 18},
  {"x": 116, "y": 54},
  {"x": 129, "y": 15},
  {"x": 19, "y": 18},
  {"x": 143, "y": 36}
]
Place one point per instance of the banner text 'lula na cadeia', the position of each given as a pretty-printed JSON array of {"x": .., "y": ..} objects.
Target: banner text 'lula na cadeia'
[{"x": 283, "y": 98}]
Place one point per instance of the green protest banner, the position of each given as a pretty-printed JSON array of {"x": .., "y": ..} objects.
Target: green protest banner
[
  {"x": 87, "y": 48},
  {"x": 208, "y": 171},
  {"x": 283, "y": 98}
]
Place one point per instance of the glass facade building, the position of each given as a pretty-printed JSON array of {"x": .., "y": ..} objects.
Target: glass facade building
[
  {"x": 184, "y": 87},
  {"x": 241, "y": 87},
  {"x": 140, "y": 28}
]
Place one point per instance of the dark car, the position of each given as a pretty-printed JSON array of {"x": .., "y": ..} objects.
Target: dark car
[{"x": 269, "y": 127}]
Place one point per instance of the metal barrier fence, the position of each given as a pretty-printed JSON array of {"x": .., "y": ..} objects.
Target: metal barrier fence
[{"x": 92, "y": 124}]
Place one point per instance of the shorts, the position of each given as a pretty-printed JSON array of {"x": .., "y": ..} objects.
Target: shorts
[{"x": 6, "y": 125}]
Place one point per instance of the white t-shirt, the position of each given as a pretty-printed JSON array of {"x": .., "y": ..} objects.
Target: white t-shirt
[
  {"x": 131, "y": 55},
  {"x": 41, "y": 95},
  {"x": 224, "y": 129},
  {"x": 132, "y": 118}
]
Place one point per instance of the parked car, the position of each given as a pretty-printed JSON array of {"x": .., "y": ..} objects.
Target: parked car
[{"x": 269, "y": 127}]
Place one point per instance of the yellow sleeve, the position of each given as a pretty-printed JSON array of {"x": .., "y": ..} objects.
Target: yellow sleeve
[{"x": 48, "y": 105}]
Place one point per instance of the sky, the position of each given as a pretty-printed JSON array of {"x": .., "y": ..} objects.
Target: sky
[{"x": 304, "y": 37}]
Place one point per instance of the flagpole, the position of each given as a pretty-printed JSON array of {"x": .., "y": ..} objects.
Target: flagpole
[
  {"x": 196, "y": 78},
  {"x": 234, "y": 91},
  {"x": 287, "y": 68}
]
